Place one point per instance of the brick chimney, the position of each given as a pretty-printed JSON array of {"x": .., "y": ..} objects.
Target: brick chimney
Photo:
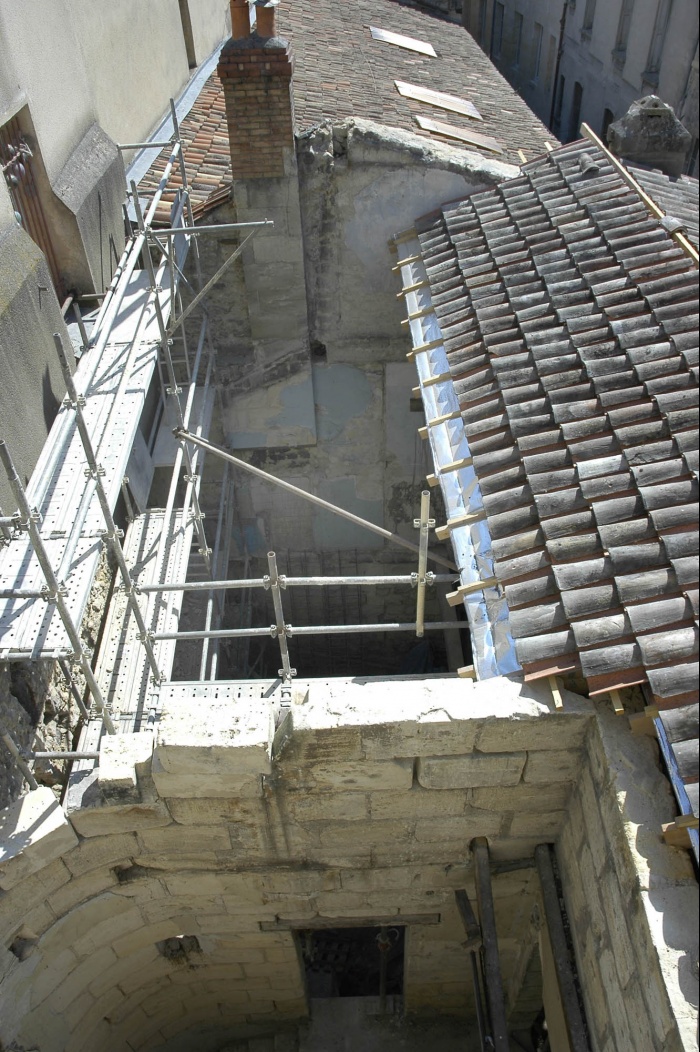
[{"x": 256, "y": 72}]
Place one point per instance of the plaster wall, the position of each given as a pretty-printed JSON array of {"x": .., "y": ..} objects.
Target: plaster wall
[
  {"x": 32, "y": 382},
  {"x": 632, "y": 900},
  {"x": 339, "y": 420}
]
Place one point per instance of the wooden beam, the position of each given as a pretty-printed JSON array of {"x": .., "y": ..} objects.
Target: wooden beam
[
  {"x": 471, "y": 924},
  {"x": 406, "y": 263},
  {"x": 412, "y": 288},
  {"x": 566, "y": 979},
  {"x": 456, "y": 414},
  {"x": 468, "y": 519},
  {"x": 418, "y": 314},
  {"x": 432, "y": 480},
  {"x": 457, "y": 465},
  {"x": 642, "y": 723},
  {"x": 554, "y": 686},
  {"x": 467, "y": 672},
  {"x": 441, "y": 378},
  {"x": 455, "y": 598},
  {"x": 371, "y": 921},
  {"x": 493, "y": 980},
  {"x": 616, "y": 700},
  {"x": 423, "y": 347},
  {"x": 677, "y": 833}
]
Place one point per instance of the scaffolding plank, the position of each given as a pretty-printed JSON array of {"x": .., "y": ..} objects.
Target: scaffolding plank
[
  {"x": 451, "y": 131},
  {"x": 441, "y": 99},
  {"x": 408, "y": 43},
  {"x": 115, "y": 389}
]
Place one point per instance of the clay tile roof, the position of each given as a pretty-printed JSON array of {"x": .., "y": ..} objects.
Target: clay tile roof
[
  {"x": 341, "y": 72},
  {"x": 676, "y": 195},
  {"x": 572, "y": 340}
]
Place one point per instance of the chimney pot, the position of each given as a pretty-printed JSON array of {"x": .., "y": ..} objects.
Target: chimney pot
[
  {"x": 240, "y": 19},
  {"x": 266, "y": 11}
]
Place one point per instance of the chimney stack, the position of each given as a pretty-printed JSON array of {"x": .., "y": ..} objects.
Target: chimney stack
[
  {"x": 651, "y": 134},
  {"x": 256, "y": 73}
]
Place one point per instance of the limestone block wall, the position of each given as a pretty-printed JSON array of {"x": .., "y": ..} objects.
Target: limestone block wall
[
  {"x": 171, "y": 903},
  {"x": 633, "y": 901}
]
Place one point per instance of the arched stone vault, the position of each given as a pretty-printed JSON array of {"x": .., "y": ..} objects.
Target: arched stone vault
[{"x": 169, "y": 906}]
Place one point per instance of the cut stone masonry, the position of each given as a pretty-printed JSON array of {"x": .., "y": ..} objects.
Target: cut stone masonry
[{"x": 349, "y": 814}]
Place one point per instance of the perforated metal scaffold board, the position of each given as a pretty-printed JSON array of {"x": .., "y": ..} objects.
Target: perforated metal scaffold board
[{"x": 114, "y": 382}]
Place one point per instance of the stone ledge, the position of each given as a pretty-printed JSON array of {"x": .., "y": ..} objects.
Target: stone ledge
[{"x": 33, "y": 832}]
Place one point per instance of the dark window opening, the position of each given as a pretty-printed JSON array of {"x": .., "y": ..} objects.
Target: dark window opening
[
  {"x": 576, "y": 104},
  {"x": 608, "y": 118},
  {"x": 353, "y": 962},
  {"x": 497, "y": 29}
]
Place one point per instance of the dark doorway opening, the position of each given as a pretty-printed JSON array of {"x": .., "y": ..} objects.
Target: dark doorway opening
[{"x": 353, "y": 962}]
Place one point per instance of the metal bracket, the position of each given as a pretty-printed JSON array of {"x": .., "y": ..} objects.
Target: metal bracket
[
  {"x": 173, "y": 390},
  {"x": 282, "y": 581},
  {"x": 50, "y": 596},
  {"x": 192, "y": 479},
  {"x": 70, "y": 404},
  {"x": 90, "y": 474},
  {"x": 204, "y": 552},
  {"x": 281, "y": 673},
  {"x": 267, "y": 584},
  {"x": 116, "y": 536}
]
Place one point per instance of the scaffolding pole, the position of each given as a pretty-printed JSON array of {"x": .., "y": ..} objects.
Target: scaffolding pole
[
  {"x": 280, "y": 629},
  {"x": 297, "y": 582},
  {"x": 211, "y": 594},
  {"x": 185, "y": 436},
  {"x": 174, "y": 390},
  {"x": 19, "y": 759},
  {"x": 112, "y": 534},
  {"x": 55, "y": 589},
  {"x": 424, "y": 524},
  {"x": 315, "y": 630}
]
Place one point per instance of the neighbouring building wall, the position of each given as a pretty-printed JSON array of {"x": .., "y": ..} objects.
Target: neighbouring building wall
[
  {"x": 136, "y": 56},
  {"x": 632, "y": 899},
  {"x": 74, "y": 78},
  {"x": 608, "y": 55},
  {"x": 616, "y": 61},
  {"x": 522, "y": 40}
]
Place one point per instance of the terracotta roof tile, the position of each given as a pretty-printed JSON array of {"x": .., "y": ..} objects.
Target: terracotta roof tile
[
  {"x": 581, "y": 425},
  {"x": 341, "y": 72}
]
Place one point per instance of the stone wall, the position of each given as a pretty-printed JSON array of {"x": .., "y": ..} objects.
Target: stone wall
[
  {"x": 632, "y": 900},
  {"x": 230, "y": 835},
  {"x": 355, "y": 815}
]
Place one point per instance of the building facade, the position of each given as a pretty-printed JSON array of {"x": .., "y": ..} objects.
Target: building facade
[
  {"x": 75, "y": 79},
  {"x": 588, "y": 62}
]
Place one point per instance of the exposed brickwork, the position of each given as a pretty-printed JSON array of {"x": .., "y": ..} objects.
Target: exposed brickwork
[{"x": 256, "y": 75}]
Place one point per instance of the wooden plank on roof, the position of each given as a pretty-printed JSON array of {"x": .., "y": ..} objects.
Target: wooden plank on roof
[
  {"x": 451, "y": 131},
  {"x": 438, "y": 98},
  {"x": 409, "y": 43}
]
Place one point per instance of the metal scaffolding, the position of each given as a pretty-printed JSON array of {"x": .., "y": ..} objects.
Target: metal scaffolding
[{"x": 50, "y": 548}]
